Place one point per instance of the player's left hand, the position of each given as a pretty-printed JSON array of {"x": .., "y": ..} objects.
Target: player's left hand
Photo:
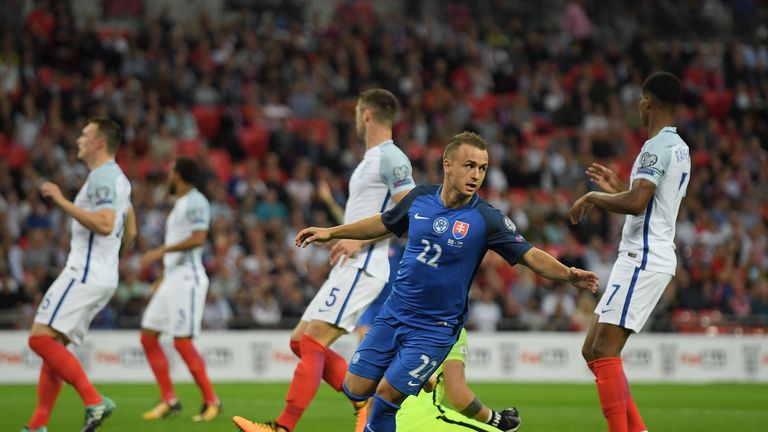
[
  {"x": 151, "y": 256},
  {"x": 579, "y": 209},
  {"x": 509, "y": 420},
  {"x": 310, "y": 235},
  {"x": 345, "y": 249},
  {"x": 583, "y": 279},
  {"x": 51, "y": 191}
]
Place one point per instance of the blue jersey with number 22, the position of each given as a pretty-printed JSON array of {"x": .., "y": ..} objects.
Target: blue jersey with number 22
[{"x": 445, "y": 247}]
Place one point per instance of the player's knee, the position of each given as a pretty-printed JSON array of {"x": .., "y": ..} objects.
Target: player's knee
[
  {"x": 355, "y": 395},
  {"x": 43, "y": 330},
  {"x": 40, "y": 330},
  {"x": 182, "y": 343},
  {"x": 358, "y": 388},
  {"x": 146, "y": 333},
  {"x": 298, "y": 331},
  {"x": 34, "y": 342},
  {"x": 586, "y": 352},
  {"x": 389, "y": 393},
  {"x": 295, "y": 347},
  {"x": 602, "y": 350},
  {"x": 322, "y": 332},
  {"x": 148, "y": 340}
]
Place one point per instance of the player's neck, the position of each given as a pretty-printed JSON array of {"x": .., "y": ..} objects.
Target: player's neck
[
  {"x": 98, "y": 161},
  {"x": 183, "y": 189},
  {"x": 658, "y": 121},
  {"x": 453, "y": 199},
  {"x": 376, "y": 136}
]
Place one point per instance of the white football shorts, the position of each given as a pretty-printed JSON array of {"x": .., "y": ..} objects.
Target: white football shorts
[
  {"x": 177, "y": 305},
  {"x": 344, "y": 297},
  {"x": 632, "y": 293},
  {"x": 69, "y": 305}
]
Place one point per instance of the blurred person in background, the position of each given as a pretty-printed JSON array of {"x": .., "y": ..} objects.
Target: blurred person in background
[{"x": 178, "y": 302}]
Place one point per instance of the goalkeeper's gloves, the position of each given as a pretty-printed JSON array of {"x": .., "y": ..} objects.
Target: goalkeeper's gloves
[{"x": 507, "y": 420}]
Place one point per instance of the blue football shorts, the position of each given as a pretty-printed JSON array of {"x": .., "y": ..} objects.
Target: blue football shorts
[{"x": 405, "y": 355}]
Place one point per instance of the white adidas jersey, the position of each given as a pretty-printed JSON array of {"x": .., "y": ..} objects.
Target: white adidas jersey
[
  {"x": 190, "y": 213},
  {"x": 665, "y": 161},
  {"x": 93, "y": 257},
  {"x": 384, "y": 171}
]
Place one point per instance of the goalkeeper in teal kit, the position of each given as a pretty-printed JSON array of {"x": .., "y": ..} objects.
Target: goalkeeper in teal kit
[{"x": 449, "y": 230}]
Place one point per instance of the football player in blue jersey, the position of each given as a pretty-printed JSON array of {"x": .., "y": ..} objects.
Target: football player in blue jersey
[{"x": 450, "y": 228}]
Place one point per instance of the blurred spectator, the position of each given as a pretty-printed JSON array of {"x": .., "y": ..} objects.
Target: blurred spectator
[
  {"x": 531, "y": 316},
  {"x": 28, "y": 123},
  {"x": 558, "y": 307},
  {"x": 584, "y": 313},
  {"x": 265, "y": 310},
  {"x": 484, "y": 312},
  {"x": 217, "y": 313}
]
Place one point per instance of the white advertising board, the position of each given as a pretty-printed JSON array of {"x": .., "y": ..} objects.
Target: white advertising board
[{"x": 117, "y": 356}]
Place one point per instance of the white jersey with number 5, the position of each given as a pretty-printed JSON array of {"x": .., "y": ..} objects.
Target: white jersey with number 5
[
  {"x": 94, "y": 257},
  {"x": 664, "y": 160}
]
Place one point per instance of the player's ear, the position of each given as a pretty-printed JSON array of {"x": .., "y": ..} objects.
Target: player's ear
[
  {"x": 100, "y": 140},
  {"x": 447, "y": 166}
]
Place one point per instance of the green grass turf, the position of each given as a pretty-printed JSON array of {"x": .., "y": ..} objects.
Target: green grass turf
[{"x": 544, "y": 407}]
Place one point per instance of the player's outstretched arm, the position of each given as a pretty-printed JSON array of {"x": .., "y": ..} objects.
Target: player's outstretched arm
[
  {"x": 632, "y": 202},
  {"x": 364, "y": 229},
  {"x": 605, "y": 179},
  {"x": 101, "y": 221},
  {"x": 545, "y": 265}
]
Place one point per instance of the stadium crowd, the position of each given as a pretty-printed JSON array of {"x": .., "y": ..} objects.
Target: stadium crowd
[{"x": 264, "y": 100}]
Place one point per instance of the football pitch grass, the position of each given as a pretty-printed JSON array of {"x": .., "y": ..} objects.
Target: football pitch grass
[{"x": 544, "y": 407}]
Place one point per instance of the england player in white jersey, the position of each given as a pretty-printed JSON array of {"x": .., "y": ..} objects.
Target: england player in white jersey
[
  {"x": 103, "y": 223},
  {"x": 361, "y": 268},
  {"x": 646, "y": 261},
  {"x": 177, "y": 304}
]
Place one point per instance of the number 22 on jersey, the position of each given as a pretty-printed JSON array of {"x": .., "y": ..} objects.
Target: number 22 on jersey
[{"x": 428, "y": 246}]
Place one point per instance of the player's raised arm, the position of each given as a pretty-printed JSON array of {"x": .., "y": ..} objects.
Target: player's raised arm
[
  {"x": 101, "y": 221},
  {"x": 631, "y": 202},
  {"x": 605, "y": 179},
  {"x": 545, "y": 265},
  {"x": 364, "y": 229}
]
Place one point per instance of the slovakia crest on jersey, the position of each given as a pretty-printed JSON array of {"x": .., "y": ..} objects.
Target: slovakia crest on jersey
[{"x": 460, "y": 230}]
